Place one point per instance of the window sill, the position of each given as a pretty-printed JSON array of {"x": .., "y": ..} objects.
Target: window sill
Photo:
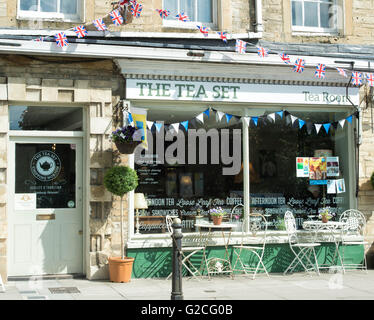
[
  {"x": 49, "y": 18},
  {"x": 314, "y": 34}
]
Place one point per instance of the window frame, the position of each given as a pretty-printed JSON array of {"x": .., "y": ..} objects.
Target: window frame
[
  {"x": 317, "y": 30},
  {"x": 51, "y": 16},
  {"x": 192, "y": 24}
]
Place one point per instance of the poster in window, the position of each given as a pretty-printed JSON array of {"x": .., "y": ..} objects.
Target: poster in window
[
  {"x": 185, "y": 185},
  {"x": 317, "y": 168},
  {"x": 302, "y": 167},
  {"x": 331, "y": 186},
  {"x": 340, "y": 186},
  {"x": 332, "y": 166}
]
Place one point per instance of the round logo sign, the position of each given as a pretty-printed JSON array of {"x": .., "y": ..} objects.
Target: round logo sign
[{"x": 45, "y": 165}]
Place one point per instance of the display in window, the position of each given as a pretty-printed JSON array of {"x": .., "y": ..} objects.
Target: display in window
[
  {"x": 302, "y": 167},
  {"x": 331, "y": 186},
  {"x": 340, "y": 186},
  {"x": 317, "y": 168},
  {"x": 332, "y": 166}
]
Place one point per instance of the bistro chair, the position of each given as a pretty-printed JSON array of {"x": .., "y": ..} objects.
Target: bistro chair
[
  {"x": 299, "y": 249},
  {"x": 354, "y": 226},
  {"x": 253, "y": 243},
  {"x": 192, "y": 244}
]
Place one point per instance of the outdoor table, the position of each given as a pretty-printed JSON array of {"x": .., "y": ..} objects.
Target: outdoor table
[
  {"x": 218, "y": 265},
  {"x": 331, "y": 226}
]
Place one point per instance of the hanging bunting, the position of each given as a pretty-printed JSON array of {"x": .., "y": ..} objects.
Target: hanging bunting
[
  {"x": 61, "y": 40},
  {"x": 309, "y": 127},
  {"x": 129, "y": 118},
  {"x": 175, "y": 126},
  {"x": 341, "y": 122},
  {"x": 327, "y": 127},
  {"x": 349, "y": 119},
  {"x": 342, "y": 72},
  {"x": 80, "y": 31},
  {"x": 335, "y": 125},
  {"x": 255, "y": 120},
  {"x": 318, "y": 127},
  {"x": 271, "y": 116},
  {"x": 370, "y": 79},
  {"x": 247, "y": 120},
  {"x": 116, "y": 17},
  {"x": 299, "y": 65},
  {"x": 228, "y": 117},
  {"x": 301, "y": 123},
  {"x": 320, "y": 71},
  {"x": 219, "y": 115},
  {"x": 40, "y": 39},
  {"x": 262, "y": 52},
  {"x": 149, "y": 125},
  {"x": 285, "y": 57},
  {"x": 240, "y": 46},
  {"x": 200, "y": 117},
  {"x": 207, "y": 112},
  {"x": 203, "y": 30},
  {"x": 182, "y": 17},
  {"x": 185, "y": 125},
  {"x": 158, "y": 126},
  {"x": 280, "y": 113},
  {"x": 223, "y": 36},
  {"x": 163, "y": 13},
  {"x": 136, "y": 9},
  {"x": 100, "y": 25},
  {"x": 356, "y": 78},
  {"x": 293, "y": 119}
]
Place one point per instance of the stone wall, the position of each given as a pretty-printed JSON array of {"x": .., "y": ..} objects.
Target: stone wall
[{"x": 66, "y": 82}]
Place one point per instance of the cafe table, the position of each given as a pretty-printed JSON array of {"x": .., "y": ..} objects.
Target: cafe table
[
  {"x": 322, "y": 228},
  {"x": 217, "y": 265}
]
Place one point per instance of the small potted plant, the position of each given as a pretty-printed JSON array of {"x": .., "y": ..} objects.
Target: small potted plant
[
  {"x": 120, "y": 180},
  {"x": 325, "y": 214},
  {"x": 126, "y": 138},
  {"x": 217, "y": 215}
]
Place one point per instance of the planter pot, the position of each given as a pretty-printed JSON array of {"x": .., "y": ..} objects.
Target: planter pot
[
  {"x": 217, "y": 220},
  {"x": 127, "y": 147},
  {"x": 120, "y": 269},
  {"x": 325, "y": 219}
]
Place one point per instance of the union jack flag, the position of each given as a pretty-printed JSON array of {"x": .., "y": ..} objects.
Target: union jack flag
[
  {"x": 182, "y": 17},
  {"x": 40, "y": 39},
  {"x": 356, "y": 78},
  {"x": 320, "y": 71},
  {"x": 370, "y": 79},
  {"x": 285, "y": 57},
  {"x": 240, "y": 46},
  {"x": 80, "y": 31},
  {"x": 299, "y": 65},
  {"x": 116, "y": 17},
  {"x": 262, "y": 52},
  {"x": 342, "y": 72},
  {"x": 163, "y": 13},
  {"x": 123, "y": 2},
  {"x": 61, "y": 39},
  {"x": 203, "y": 30},
  {"x": 223, "y": 36},
  {"x": 136, "y": 9},
  {"x": 100, "y": 25}
]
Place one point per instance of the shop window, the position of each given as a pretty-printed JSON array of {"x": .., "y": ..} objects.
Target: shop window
[
  {"x": 275, "y": 185},
  {"x": 50, "y": 9},
  {"x": 45, "y": 118},
  {"x": 198, "y": 11},
  {"x": 202, "y": 171},
  {"x": 321, "y": 16}
]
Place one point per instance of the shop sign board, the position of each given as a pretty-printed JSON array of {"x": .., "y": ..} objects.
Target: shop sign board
[{"x": 238, "y": 92}]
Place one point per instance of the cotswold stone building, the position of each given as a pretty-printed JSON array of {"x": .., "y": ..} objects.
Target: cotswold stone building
[{"x": 59, "y": 106}]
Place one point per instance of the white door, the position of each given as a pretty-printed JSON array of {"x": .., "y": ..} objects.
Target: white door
[{"x": 45, "y": 206}]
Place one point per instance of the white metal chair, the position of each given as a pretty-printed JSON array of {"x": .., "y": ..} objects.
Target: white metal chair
[
  {"x": 300, "y": 249},
  {"x": 352, "y": 234},
  {"x": 192, "y": 244},
  {"x": 232, "y": 213},
  {"x": 252, "y": 242}
]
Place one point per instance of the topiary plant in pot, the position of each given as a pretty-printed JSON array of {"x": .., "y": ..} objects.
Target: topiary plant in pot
[{"x": 120, "y": 180}]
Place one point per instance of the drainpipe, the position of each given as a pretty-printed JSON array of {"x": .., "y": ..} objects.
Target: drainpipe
[{"x": 258, "y": 24}]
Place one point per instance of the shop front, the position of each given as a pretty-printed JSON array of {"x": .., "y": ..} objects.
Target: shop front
[{"x": 243, "y": 146}]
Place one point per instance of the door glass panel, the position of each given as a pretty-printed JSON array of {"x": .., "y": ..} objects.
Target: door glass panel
[
  {"x": 45, "y": 118},
  {"x": 47, "y": 170}
]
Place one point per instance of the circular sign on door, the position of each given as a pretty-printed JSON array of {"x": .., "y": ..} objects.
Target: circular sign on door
[{"x": 45, "y": 165}]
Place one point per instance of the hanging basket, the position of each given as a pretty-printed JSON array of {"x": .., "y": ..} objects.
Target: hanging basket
[{"x": 127, "y": 147}]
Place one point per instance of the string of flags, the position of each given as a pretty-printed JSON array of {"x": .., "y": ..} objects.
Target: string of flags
[
  {"x": 250, "y": 121},
  {"x": 117, "y": 18}
]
